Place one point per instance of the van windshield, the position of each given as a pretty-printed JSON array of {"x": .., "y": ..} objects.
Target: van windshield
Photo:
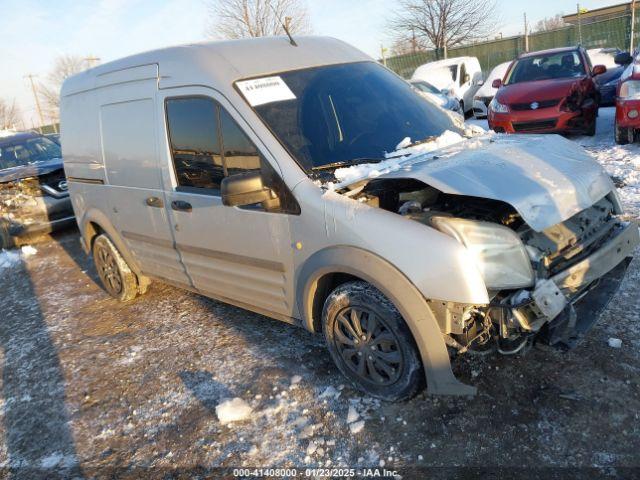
[{"x": 346, "y": 113}]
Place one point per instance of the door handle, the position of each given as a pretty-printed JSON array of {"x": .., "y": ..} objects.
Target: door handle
[
  {"x": 155, "y": 202},
  {"x": 181, "y": 206}
]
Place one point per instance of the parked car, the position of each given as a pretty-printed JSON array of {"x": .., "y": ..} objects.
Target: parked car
[
  {"x": 608, "y": 81},
  {"x": 487, "y": 91},
  {"x": 627, "y": 120},
  {"x": 54, "y": 137},
  {"x": 255, "y": 172},
  {"x": 461, "y": 76},
  {"x": 441, "y": 98},
  {"x": 33, "y": 189},
  {"x": 551, "y": 91}
]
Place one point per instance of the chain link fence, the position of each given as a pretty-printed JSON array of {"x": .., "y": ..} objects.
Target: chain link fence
[{"x": 614, "y": 32}]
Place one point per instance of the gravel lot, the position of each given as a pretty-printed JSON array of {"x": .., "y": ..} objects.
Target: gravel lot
[{"x": 90, "y": 384}]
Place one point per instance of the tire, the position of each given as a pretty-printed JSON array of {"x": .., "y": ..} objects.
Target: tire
[
  {"x": 591, "y": 129},
  {"x": 116, "y": 276},
  {"x": 623, "y": 135},
  {"x": 384, "y": 361},
  {"x": 6, "y": 240}
]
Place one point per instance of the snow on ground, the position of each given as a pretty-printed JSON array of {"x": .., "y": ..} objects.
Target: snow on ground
[{"x": 9, "y": 258}]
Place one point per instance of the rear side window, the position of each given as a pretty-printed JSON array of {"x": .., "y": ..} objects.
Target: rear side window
[{"x": 195, "y": 143}]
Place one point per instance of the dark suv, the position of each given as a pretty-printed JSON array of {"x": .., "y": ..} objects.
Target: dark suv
[{"x": 33, "y": 189}]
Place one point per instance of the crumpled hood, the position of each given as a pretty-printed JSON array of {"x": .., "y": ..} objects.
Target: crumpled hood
[
  {"x": 33, "y": 170},
  {"x": 546, "y": 178}
]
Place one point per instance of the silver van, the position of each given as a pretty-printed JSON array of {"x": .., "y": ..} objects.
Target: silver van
[{"x": 312, "y": 185}]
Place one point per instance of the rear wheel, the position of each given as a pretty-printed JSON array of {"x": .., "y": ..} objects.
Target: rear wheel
[
  {"x": 370, "y": 342},
  {"x": 116, "y": 276},
  {"x": 624, "y": 135}
]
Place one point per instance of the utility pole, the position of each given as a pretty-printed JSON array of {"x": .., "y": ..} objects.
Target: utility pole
[
  {"x": 35, "y": 96},
  {"x": 91, "y": 60},
  {"x": 383, "y": 52},
  {"x": 579, "y": 25},
  {"x": 526, "y": 33},
  {"x": 413, "y": 40},
  {"x": 633, "y": 25}
]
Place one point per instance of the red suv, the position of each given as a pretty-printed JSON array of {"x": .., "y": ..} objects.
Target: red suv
[
  {"x": 628, "y": 100},
  {"x": 550, "y": 91}
]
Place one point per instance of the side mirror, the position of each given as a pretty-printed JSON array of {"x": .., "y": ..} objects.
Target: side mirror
[
  {"x": 247, "y": 189},
  {"x": 467, "y": 78},
  {"x": 599, "y": 70},
  {"x": 497, "y": 83},
  {"x": 623, "y": 58}
]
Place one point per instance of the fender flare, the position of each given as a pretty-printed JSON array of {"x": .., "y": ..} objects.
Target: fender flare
[
  {"x": 96, "y": 216},
  {"x": 405, "y": 296}
]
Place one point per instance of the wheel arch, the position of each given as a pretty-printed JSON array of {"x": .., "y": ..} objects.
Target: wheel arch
[
  {"x": 330, "y": 267},
  {"x": 94, "y": 223}
]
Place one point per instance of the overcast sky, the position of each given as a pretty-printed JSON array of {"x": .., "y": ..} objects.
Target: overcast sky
[{"x": 34, "y": 32}]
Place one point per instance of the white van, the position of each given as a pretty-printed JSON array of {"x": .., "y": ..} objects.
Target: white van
[
  {"x": 313, "y": 185},
  {"x": 460, "y": 76}
]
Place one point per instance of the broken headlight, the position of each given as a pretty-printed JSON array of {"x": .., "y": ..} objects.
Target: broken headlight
[{"x": 498, "y": 251}]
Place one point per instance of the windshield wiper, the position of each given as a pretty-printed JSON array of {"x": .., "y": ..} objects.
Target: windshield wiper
[{"x": 346, "y": 163}]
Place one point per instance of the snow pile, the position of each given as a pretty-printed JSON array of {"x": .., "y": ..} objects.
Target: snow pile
[
  {"x": 615, "y": 342},
  {"x": 355, "y": 425},
  {"x": 9, "y": 259},
  {"x": 28, "y": 250},
  {"x": 395, "y": 160},
  {"x": 7, "y": 133},
  {"x": 233, "y": 410}
]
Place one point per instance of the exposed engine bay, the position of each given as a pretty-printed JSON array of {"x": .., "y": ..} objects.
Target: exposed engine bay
[
  {"x": 556, "y": 267},
  {"x": 32, "y": 205}
]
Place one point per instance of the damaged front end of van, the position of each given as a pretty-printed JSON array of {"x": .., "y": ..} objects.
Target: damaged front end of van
[{"x": 543, "y": 225}]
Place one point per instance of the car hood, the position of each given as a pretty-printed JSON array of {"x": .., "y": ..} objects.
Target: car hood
[
  {"x": 546, "y": 178},
  {"x": 33, "y": 170},
  {"x": 536, "y": 91}
]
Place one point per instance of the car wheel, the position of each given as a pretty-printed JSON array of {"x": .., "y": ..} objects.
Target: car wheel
[
  {"x": 623, "y": 135},
  {"x": 591, "y": 129},
  {"x": 6, "y": 240},
  {"x": 370, "y": 342},
  {"x": 116, "y": 276}
]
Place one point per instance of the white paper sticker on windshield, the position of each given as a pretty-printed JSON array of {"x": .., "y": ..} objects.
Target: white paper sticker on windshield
[{"x": 265, "y": 90}]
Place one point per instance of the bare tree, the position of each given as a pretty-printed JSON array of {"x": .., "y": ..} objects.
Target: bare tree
[
  {"x": 9, "y": 115},
  {"x": 550, "y": 23},
  {"x": 257, "y": 18},
  {"x": 405, "y": 45},
  {"x": 63, "y": 67},
  {"x": 443, "y": 24}
]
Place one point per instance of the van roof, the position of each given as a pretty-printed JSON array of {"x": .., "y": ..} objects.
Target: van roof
[{"x": 221, "y": 63}]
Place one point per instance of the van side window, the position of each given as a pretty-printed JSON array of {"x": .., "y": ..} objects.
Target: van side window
[
  {"x": 240, "y": 154},
  {"x": 195, "y": 144},
  {"x": 463, "y": 73}
]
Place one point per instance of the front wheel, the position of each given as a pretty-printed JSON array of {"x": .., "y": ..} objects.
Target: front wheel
[{"x": 370, "y": 342}]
